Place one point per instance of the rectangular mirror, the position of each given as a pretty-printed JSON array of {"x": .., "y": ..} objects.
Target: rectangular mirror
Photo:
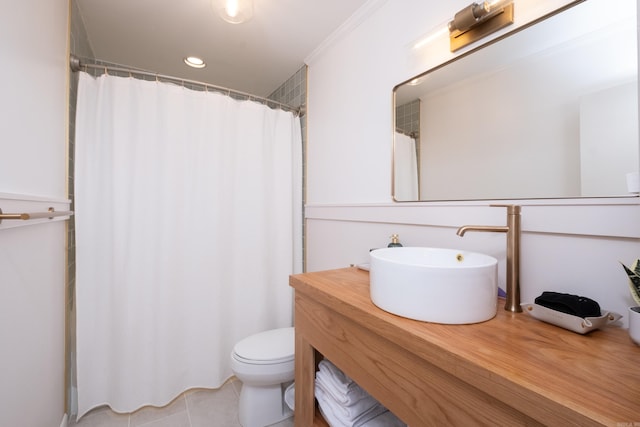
[{"x": 549, "y": 111}]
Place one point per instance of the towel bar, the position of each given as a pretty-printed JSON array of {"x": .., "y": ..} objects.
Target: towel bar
[{"x": 51, "y": 213}]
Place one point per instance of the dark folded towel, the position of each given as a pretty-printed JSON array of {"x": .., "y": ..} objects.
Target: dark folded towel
[{"x": 570, "y": 304}]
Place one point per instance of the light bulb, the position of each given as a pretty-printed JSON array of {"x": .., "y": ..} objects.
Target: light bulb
[
  {"x": 234, "y": 11},
  {"x": 231, "y": 8}
]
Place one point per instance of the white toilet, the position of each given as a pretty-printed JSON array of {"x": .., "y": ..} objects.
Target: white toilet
[{"x": 264, "y": 362}]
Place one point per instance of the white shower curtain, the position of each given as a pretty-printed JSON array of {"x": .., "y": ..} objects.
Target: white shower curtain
[
  {"x": 405, "y": 168},
  {"x": 188, "y": 224}
]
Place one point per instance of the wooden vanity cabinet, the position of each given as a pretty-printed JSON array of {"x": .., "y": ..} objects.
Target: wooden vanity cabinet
[{"x": 509, "y": 371}]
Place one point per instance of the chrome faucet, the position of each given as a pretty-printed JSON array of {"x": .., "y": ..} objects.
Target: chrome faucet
[{"x": 513, "y": 252}]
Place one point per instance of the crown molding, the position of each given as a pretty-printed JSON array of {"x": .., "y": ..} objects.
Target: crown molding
[{"x": 360, "y": 15}]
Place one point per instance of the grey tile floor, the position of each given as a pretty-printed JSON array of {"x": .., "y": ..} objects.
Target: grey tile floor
[{"x": 194, "y": 408}]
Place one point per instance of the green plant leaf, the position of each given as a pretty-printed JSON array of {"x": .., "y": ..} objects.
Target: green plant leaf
[{"x": 634, "y": 280}]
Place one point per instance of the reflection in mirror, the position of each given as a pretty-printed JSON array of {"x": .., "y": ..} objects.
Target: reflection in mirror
[
  {"x": 406, "y": 151},
  {"x": 547, "y": 112}
]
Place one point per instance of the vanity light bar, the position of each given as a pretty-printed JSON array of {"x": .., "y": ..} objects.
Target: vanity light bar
[{"x": 478, "y": 20}]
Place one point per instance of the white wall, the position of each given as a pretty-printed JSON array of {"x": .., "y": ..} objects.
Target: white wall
[
  {"x": 567, "y": 245},
  {"x": 608, "y": 145},
  {"x": 33, "y": 135}
]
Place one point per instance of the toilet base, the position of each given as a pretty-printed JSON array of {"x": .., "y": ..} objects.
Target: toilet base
[{"x": 260, "y": 406}]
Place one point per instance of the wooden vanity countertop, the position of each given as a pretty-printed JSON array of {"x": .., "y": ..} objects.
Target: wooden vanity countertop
[{"x": 529, "y": 365}]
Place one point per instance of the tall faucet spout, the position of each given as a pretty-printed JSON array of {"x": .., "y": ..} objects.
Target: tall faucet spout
[
  {"x": 513, "y": 230},
  {"x": 497, "y": 229}
]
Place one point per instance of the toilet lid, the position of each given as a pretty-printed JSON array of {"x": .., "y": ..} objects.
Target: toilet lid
[{"x": 276, "y": 345}]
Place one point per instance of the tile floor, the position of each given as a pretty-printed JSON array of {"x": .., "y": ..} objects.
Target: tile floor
[{"x": 194, "y": 408}]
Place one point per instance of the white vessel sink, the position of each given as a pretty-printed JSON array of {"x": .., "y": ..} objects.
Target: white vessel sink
[{"x": 435, "y": 285}]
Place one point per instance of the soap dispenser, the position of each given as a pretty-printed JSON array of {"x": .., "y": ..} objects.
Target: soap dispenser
[{"x": 395, "y": 243}]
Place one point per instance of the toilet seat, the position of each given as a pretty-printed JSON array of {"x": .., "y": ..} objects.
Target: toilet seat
[{"x": 271, "y": 347}]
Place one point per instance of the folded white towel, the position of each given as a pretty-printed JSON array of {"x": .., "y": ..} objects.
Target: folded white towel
[
  {"x": 366, "y": 417},
  {"x": 352, "y": 395},
  {"x": 386, "y": 419},
  {"x": 349, "y": 411},
  {"x": 343, "y": 388},
  {"x": 341, "y": 381},
  {"x": 343, "y": 403},
  {"x": 331, "y": 411},
  {"x": 328, "y": 416}
]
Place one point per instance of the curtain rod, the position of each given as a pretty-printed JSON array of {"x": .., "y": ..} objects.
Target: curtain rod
[{"x": 77, "y": 65}]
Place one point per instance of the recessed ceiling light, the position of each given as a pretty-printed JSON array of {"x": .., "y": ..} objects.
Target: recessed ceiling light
[{"x": 195, "y": 62}]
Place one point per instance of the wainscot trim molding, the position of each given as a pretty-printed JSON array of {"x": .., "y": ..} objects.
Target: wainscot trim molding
[{"x": 610, "y": 217}]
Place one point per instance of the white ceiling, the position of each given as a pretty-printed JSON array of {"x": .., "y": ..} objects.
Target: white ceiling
[{"x": 254, "y": 57}]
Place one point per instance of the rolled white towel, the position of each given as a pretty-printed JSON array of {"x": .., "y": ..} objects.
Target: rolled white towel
[{"x": 289, "y": 395}]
